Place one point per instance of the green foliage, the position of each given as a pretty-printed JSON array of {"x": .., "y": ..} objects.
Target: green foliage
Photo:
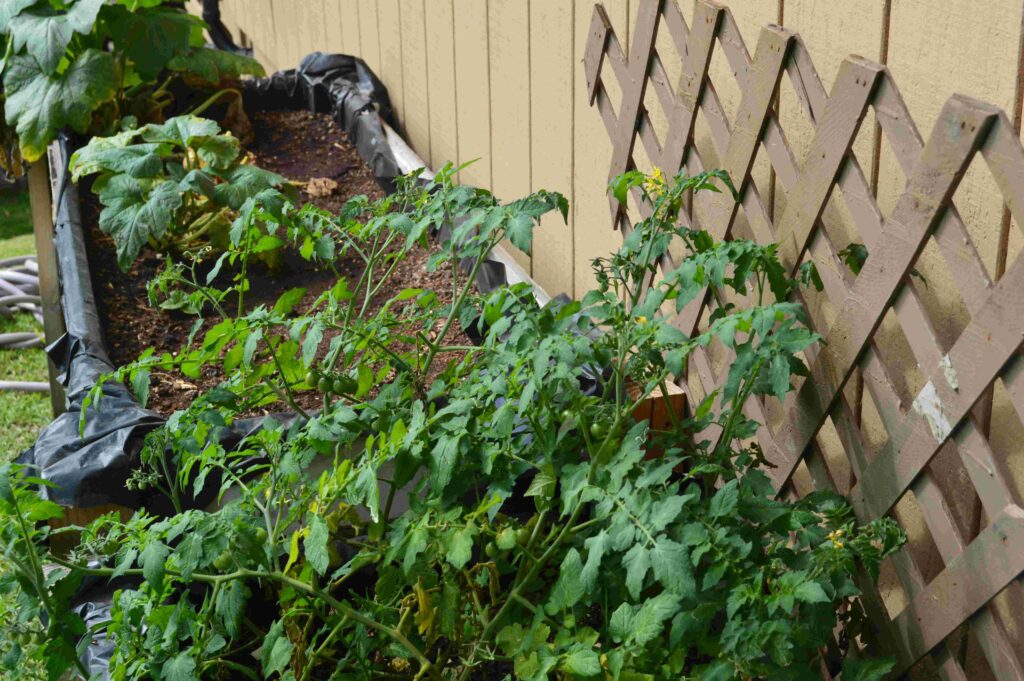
[
  {"x": 86, "y": 64},
  {"x": 175, "y": 184},
  {"x": 490, "y": 513}
]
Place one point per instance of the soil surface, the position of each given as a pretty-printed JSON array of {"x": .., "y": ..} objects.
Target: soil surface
[{"x": 313, "y": 152}]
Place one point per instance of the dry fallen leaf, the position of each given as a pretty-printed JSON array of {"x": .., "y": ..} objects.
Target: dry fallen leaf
[{"x": 320, "y": 186}]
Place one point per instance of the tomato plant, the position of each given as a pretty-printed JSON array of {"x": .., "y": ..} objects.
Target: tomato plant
[{"x": 486, "y": 516}]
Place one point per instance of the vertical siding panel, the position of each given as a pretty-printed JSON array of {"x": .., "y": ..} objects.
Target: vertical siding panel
[
  {"x": 368, "y": 35},
  {"x": 551, "y": 102},
  {"x": 279, "y": 34},
  {"x": 508, "y": 25},
  {"x": 389, "y": 27},
  {"x": 440, "y": 31},
  {"x": 849, "y": 30},
  {"x": 267, "y": 37},
  {"x": 318, "y": 30},
  {"x": 593, "y": 235},
  {"x": 332, "y": 26},
  {"x": 228, "y": 11},
  {"x": 414, "y": 77},
  {"x": 472, "y": 89},
  {"x": 288, "y": 28},
  {"x": 349, "y": 16}
]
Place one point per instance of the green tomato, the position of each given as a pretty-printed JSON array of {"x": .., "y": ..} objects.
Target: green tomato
[
  {"x": 566, "y": 414},
  {"x": 506, "y": 539},
  {"x": 597, "y": 430},
  {"x": 311, "y": 378},
  {"x": 324, "y": 385},
  {"x": 491, "y": 550},
  {"x": 261, "y": 535},
  {"x": 522, "y": 536},
  {"x": 223, "y": 561},
  {"x": 344, "y": 385}
]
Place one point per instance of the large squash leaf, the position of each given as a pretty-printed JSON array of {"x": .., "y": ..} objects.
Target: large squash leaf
[
  {"x": 46, "y": 34},
  {"x": 201, "y": 134},
  {"x": 180, "y": 130},
  {"x": 12, "y": 8},
  {"x": 243, "y": 182},
  {"x": 92, "y": 159},
  {"x": 39, "y": 105},
  {"x": 138, "y": 160},
  {"x": 136, "y": 210},
  {"x": 207, "y": 66},
  {"x": 153, "y": 38}
]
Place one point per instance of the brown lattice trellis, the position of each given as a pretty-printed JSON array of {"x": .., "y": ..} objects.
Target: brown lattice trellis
[{"x": 944, "y": 418}]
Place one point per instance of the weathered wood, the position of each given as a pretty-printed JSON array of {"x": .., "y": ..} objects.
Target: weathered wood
[
  {"x": 993, "y": 559},
  {"x": 956, "y": 137},
  {"x": 952, "y": 388},
  {"x": 833, "y": 138},
  {"x": 49, "y": 279},
  {"x": 634, "y": 85},
  {"x": 806, "y": 229}
]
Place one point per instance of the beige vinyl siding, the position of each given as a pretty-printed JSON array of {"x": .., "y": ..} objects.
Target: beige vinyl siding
[{"x": 502, "y": 81}]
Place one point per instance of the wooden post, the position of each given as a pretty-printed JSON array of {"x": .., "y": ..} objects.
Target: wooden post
[{"x": 46, "y": 254}]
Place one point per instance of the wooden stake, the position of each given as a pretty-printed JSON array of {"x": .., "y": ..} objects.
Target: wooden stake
[{"x": 49, "y": 281}]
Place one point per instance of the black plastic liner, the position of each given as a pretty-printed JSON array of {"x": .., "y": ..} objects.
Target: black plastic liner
[
  {"x": 90, "y": 468},
  {"x": 349, "y": 91}
]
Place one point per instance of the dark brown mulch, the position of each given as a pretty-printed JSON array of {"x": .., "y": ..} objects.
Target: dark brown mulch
[{"x": 301, "y": 146}]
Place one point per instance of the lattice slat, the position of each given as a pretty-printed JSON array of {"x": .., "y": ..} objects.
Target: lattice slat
[{"x": 944, "y": 418}]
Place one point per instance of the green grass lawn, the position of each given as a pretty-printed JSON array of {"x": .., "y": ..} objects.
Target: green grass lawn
[{"x": 21, "y": 414}]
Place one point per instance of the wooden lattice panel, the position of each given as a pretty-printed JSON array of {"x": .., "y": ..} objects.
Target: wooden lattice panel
[{"x": 977, "y": 592}]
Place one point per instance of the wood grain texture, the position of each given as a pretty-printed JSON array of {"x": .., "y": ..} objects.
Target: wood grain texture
[
  {"x": 351, "y": 34},
  {"x": 331, "y": 17}
]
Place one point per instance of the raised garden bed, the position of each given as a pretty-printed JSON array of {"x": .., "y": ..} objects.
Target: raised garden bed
[
  {"x": 310, "y": 150},
  {"x": 406, "y": 504}
]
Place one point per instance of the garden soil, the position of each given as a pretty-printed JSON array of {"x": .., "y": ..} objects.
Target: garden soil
[{"x": 310, "y": 150}]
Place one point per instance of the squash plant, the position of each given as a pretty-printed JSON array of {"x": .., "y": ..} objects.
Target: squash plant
[
  {"x": 87, "y": 64},
  {"x": 173, "y": 185},
  {"x": 492, "y": 515}
]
